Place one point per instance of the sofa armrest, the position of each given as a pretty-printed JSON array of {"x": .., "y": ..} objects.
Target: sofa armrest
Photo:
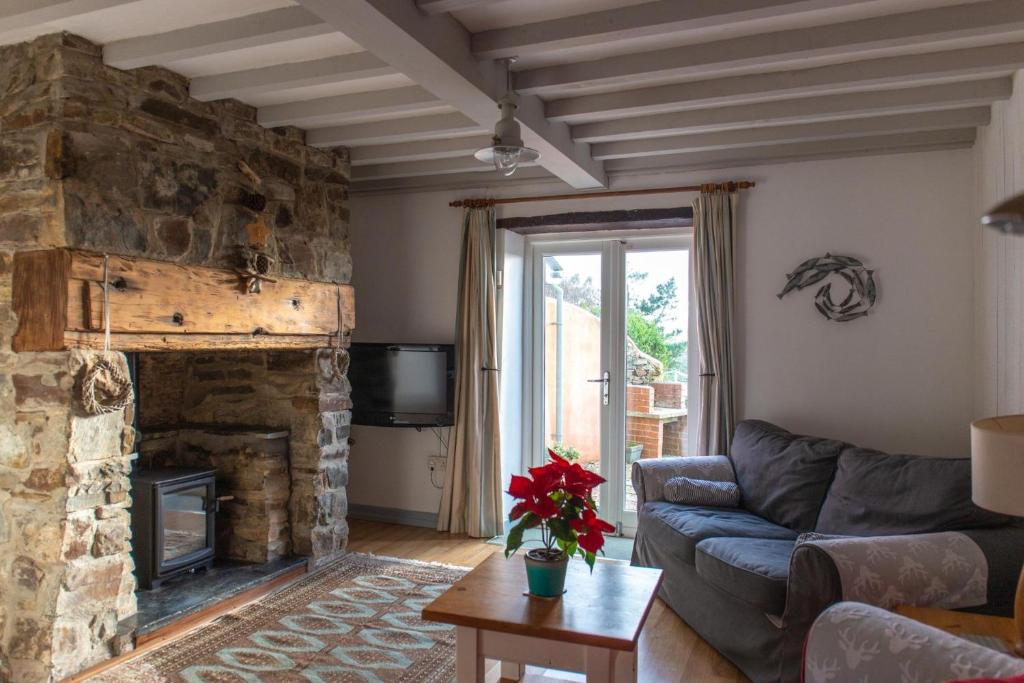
[
  {"x": 947, "y": 569},
  {"x": 852, "y": 641},
  {"x": 649, "y": 476}
]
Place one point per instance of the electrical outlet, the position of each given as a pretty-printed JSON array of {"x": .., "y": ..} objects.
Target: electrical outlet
[{"x": 437, "y": 463}]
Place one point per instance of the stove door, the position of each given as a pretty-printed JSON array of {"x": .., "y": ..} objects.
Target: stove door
[{"x": 184, "y": 524}]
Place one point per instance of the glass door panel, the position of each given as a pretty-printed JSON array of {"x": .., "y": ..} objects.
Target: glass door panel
[
  {"x": 657, "y": 344},
  {"x": 573, "y": 380},
  {"x": 184, "y": 522},
  {"x": 610, "y": 337}
]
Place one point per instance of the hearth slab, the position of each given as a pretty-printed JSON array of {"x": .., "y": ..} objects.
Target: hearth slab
[{"x": 187, "y": 594}]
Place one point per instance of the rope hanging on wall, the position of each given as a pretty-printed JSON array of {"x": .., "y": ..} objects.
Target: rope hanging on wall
[
  {"x": 338, "y": 368},
  {"x": 105, "y": 387}
]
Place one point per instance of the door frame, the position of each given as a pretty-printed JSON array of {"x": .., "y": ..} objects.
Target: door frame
[{"x": 612, "y": 247}]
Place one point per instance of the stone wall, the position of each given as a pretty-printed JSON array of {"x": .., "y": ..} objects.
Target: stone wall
[{"x": 125, "y": 162}]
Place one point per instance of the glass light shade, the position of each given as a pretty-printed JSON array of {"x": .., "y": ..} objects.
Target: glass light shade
[
  {"x": 997, "y": 464},
  {"x": 1007, "y": 216},
  {"x": 506, "y": 158}
]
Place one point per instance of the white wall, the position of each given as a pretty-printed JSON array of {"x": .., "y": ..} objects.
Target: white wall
[
  {"x": 899, "y": 380},
  {"x": 999, "y": 264}
]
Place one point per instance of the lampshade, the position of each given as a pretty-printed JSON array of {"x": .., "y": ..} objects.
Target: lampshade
[
  {"x": 997, "y": 464},
  {"x": 1007, "y": 216}
]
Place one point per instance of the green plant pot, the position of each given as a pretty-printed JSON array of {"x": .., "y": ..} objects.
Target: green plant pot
[
  {"x": 633, "y": 452},
  {"x": 545, "y": 573}
]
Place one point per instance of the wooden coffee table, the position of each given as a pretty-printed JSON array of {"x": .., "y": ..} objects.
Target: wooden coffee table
[{"x": 593, "y": 628}]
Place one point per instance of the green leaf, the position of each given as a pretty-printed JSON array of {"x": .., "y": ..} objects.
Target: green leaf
[
  {"x": 590, "y": 558},
  {"x": 515, "y": 535},
  {"x": 561, "y": 530}
]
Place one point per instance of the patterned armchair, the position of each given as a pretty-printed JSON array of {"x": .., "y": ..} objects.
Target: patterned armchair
[{"x": 851, "y": 641}]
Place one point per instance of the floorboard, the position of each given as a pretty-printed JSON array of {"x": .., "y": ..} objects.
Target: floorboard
[{"x": 670, "y": 651}]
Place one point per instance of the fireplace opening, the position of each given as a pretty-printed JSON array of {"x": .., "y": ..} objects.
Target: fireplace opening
[{"x": 228, "y": 451}]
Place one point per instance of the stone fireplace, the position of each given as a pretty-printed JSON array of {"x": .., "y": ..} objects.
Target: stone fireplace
[{"x": 126, "y": 163}]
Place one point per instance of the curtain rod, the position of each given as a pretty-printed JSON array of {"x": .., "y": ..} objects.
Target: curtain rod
[{"x": 706, "y": 187}]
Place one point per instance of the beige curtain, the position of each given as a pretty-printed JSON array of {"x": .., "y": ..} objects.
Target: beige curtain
[
  {"x": 471, "y": 500},
  {"x": 714, "y": 216}
]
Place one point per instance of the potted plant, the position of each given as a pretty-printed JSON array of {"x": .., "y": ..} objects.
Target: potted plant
[
  {"x": 633, "y": 451},
  {"x": 557, "y": 498}
]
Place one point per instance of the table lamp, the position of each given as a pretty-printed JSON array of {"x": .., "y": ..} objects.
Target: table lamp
[{"x": 997, "y": 482}]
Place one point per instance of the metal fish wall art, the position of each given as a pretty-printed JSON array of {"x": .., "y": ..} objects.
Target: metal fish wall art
[{"x": 857, "y": 301}]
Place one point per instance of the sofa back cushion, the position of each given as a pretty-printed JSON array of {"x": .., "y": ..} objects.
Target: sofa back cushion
[
  {"x": 878, "y": 494},
  {"x": 783, "y": 477}
]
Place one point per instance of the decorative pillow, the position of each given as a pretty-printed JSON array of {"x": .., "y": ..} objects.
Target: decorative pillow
[
  {"x": 880, "y": 494},
  {"x": 687, "y": 491},
  {"x": 783, "y": 476}
]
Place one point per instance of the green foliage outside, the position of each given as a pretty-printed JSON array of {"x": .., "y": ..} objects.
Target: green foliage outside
[{"x": 567, "y": 452}]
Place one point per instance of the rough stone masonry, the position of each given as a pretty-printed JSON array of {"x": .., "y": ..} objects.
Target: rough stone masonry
[{"x": 127, "y": 163}]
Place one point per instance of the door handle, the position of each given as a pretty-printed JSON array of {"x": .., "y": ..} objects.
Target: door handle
[{"x": 605, "y": 382}]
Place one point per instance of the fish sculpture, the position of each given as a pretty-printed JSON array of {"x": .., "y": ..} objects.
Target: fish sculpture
[{"x": 862, "y": 289}]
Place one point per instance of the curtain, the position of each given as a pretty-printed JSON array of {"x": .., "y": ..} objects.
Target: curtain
[
  {"x": 471, "y": 500},
  {"x": 714, "y": 216}
]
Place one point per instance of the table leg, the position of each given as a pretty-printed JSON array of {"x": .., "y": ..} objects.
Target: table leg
[
  {"x": 609, "y": 666},
  {"x": 626, "y": 666},
  {"x": 469, "y": 663},
  {"x": 512, "y": 671}
]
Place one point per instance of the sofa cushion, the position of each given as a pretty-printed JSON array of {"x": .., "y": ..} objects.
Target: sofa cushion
[
  {"x": 783, "y": 477},
  {"x": 682, "y": 527},
  {"x": 754, "y": 570},
  {"x": 876, "y": 493},
  {"x": 687, "y": 491}
]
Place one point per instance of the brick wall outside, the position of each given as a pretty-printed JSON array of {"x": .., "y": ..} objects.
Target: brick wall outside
[
  {"x": 647, "y": 431},
  {"x": 674, "y": 438},
  {"x": 639, "y": 399},
  {"x": 668, "y": 394}
]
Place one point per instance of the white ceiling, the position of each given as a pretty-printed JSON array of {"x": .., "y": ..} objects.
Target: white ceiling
[{"x": 607, "y": 86}]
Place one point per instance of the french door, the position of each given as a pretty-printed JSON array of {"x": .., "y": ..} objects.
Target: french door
[{"x": 610, "y": 326}]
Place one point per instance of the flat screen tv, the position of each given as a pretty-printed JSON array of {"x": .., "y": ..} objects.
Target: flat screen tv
[{"x": 402, "y": 385}]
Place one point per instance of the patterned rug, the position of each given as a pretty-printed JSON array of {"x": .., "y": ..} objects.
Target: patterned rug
[{"x": 354, "y": 620}]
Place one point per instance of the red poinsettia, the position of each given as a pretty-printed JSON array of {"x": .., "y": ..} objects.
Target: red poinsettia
[{"x": 558, "y": 498}]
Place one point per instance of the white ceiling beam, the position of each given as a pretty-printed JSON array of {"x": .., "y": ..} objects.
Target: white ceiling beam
[
  {"x": 204, "y": 40},
  {"x": 804, "y": 110},
  {"x": 872, "y": 73},
  {"x": 465, "y": 182},
  {"x": 421, "y": 150},
  {"x": 282, "y": 77},
  {"x": 638, "y": 21},
  {"x": 442, "y": 6},
  {"x": 338, "y": 109},
  {"x": 394, "y": 131},
  {"x": 467, "y": 164},
  {"x": 775, "y": 135},
  {"x": 434, "y": 51},
  {"x": 876, "y": 144},
  {"x": 767, "y": 51},
  {"x": 19, "y": 14}
]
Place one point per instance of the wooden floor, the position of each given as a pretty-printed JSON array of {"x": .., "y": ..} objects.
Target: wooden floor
[{"x": 670, "y": 652}]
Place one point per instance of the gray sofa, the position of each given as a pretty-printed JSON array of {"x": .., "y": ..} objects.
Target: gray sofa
[{"x": 751, "y": 581}]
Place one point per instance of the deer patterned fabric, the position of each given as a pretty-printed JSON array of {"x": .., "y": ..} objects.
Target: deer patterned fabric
[
  {"x": 856, "y": 642},
  {"x": 946, "y": 570}
]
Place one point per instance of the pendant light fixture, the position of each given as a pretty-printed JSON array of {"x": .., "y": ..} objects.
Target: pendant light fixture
[{"x": 507, "y": 150}]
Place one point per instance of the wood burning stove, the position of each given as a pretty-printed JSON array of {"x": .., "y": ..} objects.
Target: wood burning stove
[{"x": 172, "y": 522}]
